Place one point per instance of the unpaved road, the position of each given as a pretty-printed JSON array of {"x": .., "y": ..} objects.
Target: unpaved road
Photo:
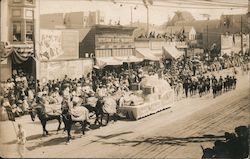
[{"x": 177, "y": 132}]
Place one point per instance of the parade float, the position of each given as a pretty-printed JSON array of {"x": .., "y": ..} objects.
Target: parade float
[{"x": 151, "y": 96}]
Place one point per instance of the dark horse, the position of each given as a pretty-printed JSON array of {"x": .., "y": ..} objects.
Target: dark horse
[
  {"x": 68, "y": 121},
  {"x": 43, "y": 117},
  {"x": 100, "y": 114}
]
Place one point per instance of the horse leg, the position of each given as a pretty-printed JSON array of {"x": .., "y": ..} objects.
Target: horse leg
[
  {"x": 65, "y": 123},
  {"x": 115, "y": 117},
  {"x": 107, "y": 118},
  {"x": 60, "y": 122},
  {"x": 83, "y": 125},
  {"x": 45, "y": 132},
  {"x": 68, "y": 126}
]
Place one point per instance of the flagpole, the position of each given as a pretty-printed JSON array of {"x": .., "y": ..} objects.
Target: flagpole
[{"x": 241, "y": 36}]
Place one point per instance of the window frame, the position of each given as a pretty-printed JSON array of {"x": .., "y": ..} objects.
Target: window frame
[
  {"x": 32, "y": 31},
  {"x": 30, "y": 3},
  {"x": 16, "y": 1},
  {"x": 32, "y": 13},
  {"x": 18, "y": 10},
  {"x": 20, "y": 25}
]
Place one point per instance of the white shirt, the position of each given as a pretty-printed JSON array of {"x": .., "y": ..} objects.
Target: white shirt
[{"x": 21, "y": 136}]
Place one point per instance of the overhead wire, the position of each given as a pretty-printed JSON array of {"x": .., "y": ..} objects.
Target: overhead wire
[
  {"x": 183, "y": 4},
  {"x": 190, "y": 4}
]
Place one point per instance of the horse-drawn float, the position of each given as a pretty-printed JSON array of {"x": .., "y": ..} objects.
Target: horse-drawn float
[{"x": 153, "y": 95}]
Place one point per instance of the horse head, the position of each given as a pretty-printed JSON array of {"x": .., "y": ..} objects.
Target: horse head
[{"x": 35, "y": 111}]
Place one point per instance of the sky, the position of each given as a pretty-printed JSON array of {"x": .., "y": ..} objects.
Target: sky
[{"x": 157, "y": 15}]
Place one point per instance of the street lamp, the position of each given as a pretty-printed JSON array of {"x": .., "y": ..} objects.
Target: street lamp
[{"x": 147, "y": 3}]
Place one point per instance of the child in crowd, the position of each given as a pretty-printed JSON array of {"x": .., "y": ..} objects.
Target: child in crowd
[{"x": 21, "y": 140}]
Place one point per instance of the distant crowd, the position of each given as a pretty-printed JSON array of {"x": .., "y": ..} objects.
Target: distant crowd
[
  {"x": 185, "y": 76},
  {"x": 166, "y": 36}
]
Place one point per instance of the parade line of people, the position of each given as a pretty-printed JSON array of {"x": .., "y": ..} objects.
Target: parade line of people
[{"x": 22, "y": 92}]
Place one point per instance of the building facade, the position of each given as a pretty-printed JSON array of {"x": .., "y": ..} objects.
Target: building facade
[
  {"x": 19, "y": 28},
  {"x": 109, "y": 45},
  {"x": 231, "y": 44},
  {"x": 46, "y": 54},
  {"x": 72, "y": 20}
]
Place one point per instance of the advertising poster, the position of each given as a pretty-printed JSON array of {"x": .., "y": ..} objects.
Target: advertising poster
[
  {"x": 58, "y": 44},
  {"x": 53, "y": 70}
]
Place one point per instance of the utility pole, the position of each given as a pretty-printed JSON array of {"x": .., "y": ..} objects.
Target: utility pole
[
  {"x": 0, "y": 48},
  {"x": 207, "y": 39},
  {"x": 241, "y": 36},
  {"x": 34, "y": 36},
  {"x": 147, "y": 20},
  {"x": 147, "y": 3},
  {"x": 131, "y": 12}
]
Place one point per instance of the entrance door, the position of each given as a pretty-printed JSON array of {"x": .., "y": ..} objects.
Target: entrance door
[{"x": 28, "y": 67}]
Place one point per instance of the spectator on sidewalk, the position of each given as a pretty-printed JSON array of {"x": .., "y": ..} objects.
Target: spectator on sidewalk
[{"x": 21, "y": 140}]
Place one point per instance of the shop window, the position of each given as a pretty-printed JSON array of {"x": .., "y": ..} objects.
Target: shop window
[
  {"x": 29, "y": 31},
  {"x": 16, "y": 13},
  {"x": 16, "y": 31}
]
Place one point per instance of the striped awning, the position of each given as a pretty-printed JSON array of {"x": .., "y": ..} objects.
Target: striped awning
[
  {"x": 129, "y": 59},
  {"x": 107, "y": 61},
  {"x": 147, "y": 54},
  {"x": 171, "y": 52}
]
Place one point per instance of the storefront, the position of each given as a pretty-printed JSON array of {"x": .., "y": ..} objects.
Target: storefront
[
  {"x": 110, "y": 46},
  {"x": 17, "y": 58}
]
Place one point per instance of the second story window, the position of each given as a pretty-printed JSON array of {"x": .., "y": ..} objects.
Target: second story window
[
  {"x": 29, "y": 1},
  {"x": 17, "y": 1},
  {"x": 17, "y": 32},
  {"x": 29, "y": 31},
  {"x": 29, "y": 14}
]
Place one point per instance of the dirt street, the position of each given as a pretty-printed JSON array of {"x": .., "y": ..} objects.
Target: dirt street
[{"x": 176, "y": 132}]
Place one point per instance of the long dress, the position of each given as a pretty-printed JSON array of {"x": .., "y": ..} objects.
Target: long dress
[{"x": 3, "y": 114}]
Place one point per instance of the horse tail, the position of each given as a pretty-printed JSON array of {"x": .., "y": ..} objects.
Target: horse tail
[{"x": 202, "y": 148}]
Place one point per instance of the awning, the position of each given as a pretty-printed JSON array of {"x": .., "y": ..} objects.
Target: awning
[
  {"x": 147, "y": 54},
  {"x": 107, "y": 61},
  {"x": 171, "y": 52},
  {"x": 129, "y": 59}
]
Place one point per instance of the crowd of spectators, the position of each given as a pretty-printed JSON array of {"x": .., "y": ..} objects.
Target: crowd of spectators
[
  {"x": 178, "y": 37},
  {"x": 18, "y": 92},
  {"x": 186, "y": 76}
]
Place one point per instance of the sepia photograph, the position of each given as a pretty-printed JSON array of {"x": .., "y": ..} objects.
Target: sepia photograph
[{"x": 165, "y": 79}]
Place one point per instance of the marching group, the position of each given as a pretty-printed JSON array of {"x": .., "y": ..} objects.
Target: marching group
[
  {"x": 190, "y": 79},
  {"x": 22, "y": 92}
]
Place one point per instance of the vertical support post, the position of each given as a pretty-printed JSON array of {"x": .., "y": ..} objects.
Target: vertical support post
[
  {"x": 241, "y": 36},
  {"x": 207, "y": 42},
  {"x": 131, "y": 14},
  {"x": 147, "y": 20}
]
